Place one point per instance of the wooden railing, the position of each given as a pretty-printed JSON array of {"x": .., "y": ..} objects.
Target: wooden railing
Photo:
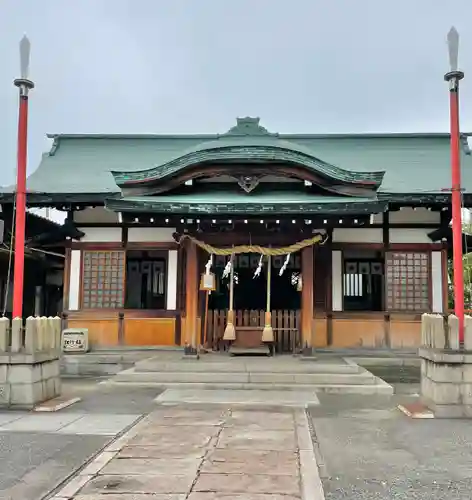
[{"x": 286, "y": 325}]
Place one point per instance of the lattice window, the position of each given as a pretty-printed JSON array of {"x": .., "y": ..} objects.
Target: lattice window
[
  {"x": 103, "y": 279},
  {"x": 408, "y": 281}
]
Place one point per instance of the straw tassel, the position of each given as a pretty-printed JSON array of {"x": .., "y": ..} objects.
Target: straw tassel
[
  {"x": 230, "y": 332},
  {"x": 268, "y": 332}
]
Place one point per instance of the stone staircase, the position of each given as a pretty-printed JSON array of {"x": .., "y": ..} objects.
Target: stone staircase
[{"x": 216, "y": 371}]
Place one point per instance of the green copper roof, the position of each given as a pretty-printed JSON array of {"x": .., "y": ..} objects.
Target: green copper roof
[
  {"x": 82, "y": 164},
  {"x": 228, "y": 202},
  {"x": 246, "y": 151}
]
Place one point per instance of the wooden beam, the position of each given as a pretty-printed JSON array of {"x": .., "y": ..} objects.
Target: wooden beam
[
  {"x": 191, "y": 298},
  {"x": 307, "y": 296}
]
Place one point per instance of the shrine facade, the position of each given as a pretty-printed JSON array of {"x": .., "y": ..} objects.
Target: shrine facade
[{"x": 354, "y": 229}]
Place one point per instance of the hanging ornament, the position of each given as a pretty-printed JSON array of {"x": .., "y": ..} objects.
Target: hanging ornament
[
  {"x": 285, "y": 264},
  {"x": 299, "y": 284},
  {"x": 235, "y": 279},
  {"x": 259, "y": 268},
  {"x": 227, "y": 269},
  {"x": 209, "y": 264}
]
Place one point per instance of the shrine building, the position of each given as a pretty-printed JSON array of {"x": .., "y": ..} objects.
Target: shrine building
[{"x": 343, "y": 239}]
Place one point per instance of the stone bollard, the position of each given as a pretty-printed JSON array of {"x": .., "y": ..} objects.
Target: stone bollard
[
  {"x": 31, "y": 335},
  {"x": 43, "y": 322},
  {"x": 424, "y": 329},
  {"x": 16, "y": 334},
  {"x": 50, "y": 333},
  {"x": 437, "y": 333},
  {"x": 57, "y": 333},
  {"x": 4, "y": 334},
  {"x": 468, "y": 333},
  {"x": 453, "y": 324}
]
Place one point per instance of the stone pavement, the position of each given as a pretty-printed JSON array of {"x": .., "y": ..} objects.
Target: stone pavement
[
  {"x": 102, "y": 424},
  {"x": 181, "y": 452}
]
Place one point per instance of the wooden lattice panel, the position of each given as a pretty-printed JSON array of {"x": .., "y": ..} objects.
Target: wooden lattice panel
[
  {"x": 103, "y": 279},
  {"x": 407, "y": 281}
]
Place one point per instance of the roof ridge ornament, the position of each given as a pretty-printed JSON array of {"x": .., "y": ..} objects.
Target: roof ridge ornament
[{"x": 248, "y": 126}]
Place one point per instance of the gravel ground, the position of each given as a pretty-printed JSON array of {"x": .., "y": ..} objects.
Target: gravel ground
[{"x": 369, "y": 450}]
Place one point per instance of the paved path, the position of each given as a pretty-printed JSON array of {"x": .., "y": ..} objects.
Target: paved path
[
  {"x": 181, "y": 452},
  {"x": 101, "y": 424}
]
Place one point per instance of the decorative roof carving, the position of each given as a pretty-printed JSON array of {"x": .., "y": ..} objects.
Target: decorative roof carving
[
  {"x": 248, "y": 126},
  {"x": 249, "y": 182}
]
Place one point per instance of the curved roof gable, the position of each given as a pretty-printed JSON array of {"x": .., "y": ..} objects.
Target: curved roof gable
[{"x": 247, "y": 143}]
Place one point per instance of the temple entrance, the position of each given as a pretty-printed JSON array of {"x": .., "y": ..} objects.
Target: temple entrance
[{"x": 250, "y": 296}]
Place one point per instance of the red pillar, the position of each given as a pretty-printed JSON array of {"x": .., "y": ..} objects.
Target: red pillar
[
  {"x": 453, "y": 78},
  {"x": 18, "y": 274},
  {"x": 24, "y": 85}
]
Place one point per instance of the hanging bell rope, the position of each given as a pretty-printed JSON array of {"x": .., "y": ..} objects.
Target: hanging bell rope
[
  {"x": 318, "y": 238},
  {"x": 230, "y": 331},
  {"x": 268, "y": 332}
]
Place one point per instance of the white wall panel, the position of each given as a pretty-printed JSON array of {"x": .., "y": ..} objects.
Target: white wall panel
[
  {"x": 409, "y": 235},
  {"x": 414, "y": 216},
  {"x": 101, "y": 234},
  {"x": 172, "y": 280},
  {"x": 74, "y": 281},
  {"x": 337, "y": 283},
  {"x": 151, "y": 234},
  {"x": 437, "y": 282},
  {"x": 357, "y": 235}
]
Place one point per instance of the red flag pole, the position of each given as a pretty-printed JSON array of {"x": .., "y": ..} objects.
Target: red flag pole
[
  {"x": 453, "y": 77},
  {"x": 24, "y": 85}
]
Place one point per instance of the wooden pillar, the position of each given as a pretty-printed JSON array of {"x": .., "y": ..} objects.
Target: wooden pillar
[
  {"x": 191, "y": 296},
  {"x": 307, "y": 296}
]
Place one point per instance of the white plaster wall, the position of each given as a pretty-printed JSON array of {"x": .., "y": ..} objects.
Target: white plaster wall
[
  {"x": 151, "y": 234},
  {"x": 357, "y": 235},
  {"x": 409, "y": 235},
  {"x": 97, "y": 214},
  {"x": 378, "y": 218},
  {"x": 437, "y": 282},
  {"x": 101, "y": 234},
  {"x": 172, "y": 280},
  {"x": 337, "y": 281},
  {"x": 414, "y": 216},
  {"x": 74, "y": 282}
]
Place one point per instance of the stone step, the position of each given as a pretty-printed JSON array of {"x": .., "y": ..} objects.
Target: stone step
[
  {"x": 242, "y": 377},
  {"x": 379, "y": 387},
  {"x": 232, "y": 365}
]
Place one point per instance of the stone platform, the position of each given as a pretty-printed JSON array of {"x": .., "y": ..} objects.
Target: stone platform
[
  {"x": 182, "y": 453},
  {"x": 218, "y": 371}
]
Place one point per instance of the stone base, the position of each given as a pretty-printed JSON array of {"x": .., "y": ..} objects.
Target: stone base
[
  {"x": 26, "y": 380},
  {"x": 446, "y": 382}
]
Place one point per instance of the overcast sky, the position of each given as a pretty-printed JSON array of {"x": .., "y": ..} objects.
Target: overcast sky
[{"x": 192, "y": 66}]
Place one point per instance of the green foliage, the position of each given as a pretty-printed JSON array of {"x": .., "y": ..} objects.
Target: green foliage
[{"x": 467, "y": 260}]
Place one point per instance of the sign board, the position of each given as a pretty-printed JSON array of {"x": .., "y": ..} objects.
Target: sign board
[
  {"x": 207, "y": 283},
  {"x": 75, "y": 340}
]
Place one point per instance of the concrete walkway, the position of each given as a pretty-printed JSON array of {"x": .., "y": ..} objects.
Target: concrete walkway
[{"x": 181, "y": 452}]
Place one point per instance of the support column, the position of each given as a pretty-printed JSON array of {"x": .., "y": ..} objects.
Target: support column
[
  {"x": 307, "y": 298},
  {"x": 191, "y": 298}
]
